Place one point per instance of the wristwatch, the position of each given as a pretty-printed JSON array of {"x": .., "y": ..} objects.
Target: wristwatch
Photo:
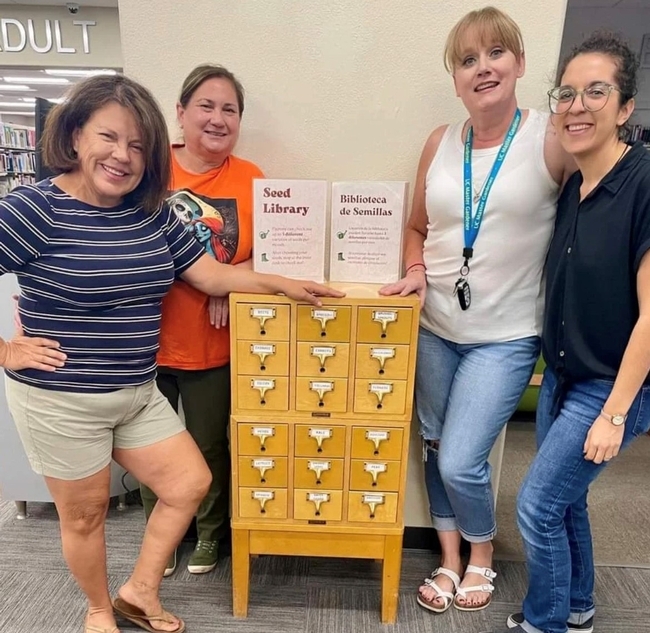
[{"x": 617, "y": 419}]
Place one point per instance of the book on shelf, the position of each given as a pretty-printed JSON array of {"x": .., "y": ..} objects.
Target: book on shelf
[
  {"x": 17, "y": 137},
  {"x": 17, "y": 156},
  {"x": 640, "y": 133}
]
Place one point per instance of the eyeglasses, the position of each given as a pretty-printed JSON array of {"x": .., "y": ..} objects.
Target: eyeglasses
[{"x": 594, "y": 98}]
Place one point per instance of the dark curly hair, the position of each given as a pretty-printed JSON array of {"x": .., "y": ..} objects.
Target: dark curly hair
[{"x": 615, "y": 47}]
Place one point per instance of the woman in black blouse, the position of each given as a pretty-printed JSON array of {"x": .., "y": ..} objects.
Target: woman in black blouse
[{"x": 595, "y": 397}]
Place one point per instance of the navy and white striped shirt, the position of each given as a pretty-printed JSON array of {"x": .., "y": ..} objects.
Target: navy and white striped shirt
[{"x": 92, "y": 279}]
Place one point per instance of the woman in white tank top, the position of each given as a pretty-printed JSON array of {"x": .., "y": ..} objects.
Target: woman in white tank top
[{"x": 475, "y": 244}]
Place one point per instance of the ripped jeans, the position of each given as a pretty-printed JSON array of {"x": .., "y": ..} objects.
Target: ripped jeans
[{"x": 465, "y": 394}]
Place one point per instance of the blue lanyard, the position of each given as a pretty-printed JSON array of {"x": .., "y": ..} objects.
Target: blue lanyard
[{"x": 472, "y": 225}]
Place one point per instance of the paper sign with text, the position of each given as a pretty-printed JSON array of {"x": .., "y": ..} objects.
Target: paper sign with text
[
  {"x": 366, "y": 231},
  {"x": 289, "y": 227}
]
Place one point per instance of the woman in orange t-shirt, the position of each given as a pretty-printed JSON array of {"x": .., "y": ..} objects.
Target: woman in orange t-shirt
[{"x": 211, "y": 191}]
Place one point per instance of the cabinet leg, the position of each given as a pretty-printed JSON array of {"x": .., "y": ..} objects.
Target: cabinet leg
[
  {"x": 390, "y": 578},
  {"x": 240, "y": 572},
  {"x": 21, "y": 509},
  {"x": 121, "y": 503}
]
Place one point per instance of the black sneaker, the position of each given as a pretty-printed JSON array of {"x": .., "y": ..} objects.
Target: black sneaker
[{"x": 517, "y": 619}]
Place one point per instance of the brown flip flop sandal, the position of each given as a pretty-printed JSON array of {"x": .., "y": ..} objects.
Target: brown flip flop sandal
[
  {"x": 138, "y": 617},
  {"x": 95, "y": 629}
]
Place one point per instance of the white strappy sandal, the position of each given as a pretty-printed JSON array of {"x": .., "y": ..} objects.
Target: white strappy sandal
[
  {"x": 488, "y": 588},
  {"x": 447, "y": 596}
]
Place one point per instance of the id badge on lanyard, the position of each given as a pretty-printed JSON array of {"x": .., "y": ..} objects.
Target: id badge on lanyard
[{"x": 472, "y": 224}]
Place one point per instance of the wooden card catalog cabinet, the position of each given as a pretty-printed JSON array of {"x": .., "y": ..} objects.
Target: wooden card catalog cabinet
[{"x": 321, "y": 411}]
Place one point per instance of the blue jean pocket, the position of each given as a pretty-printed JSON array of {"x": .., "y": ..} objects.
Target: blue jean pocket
[{"x": 642, "y": 420}]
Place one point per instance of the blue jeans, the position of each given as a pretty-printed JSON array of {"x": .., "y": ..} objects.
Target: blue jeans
[
  {"x": 552, "y": 503},
  {"x": 464, "y": 396}
]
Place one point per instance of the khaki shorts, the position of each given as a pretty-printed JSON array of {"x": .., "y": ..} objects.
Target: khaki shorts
[{"x": 72, "y": 435}]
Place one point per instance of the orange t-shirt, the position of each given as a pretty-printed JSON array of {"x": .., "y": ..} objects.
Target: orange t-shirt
[{"x": 217, "y": 207}]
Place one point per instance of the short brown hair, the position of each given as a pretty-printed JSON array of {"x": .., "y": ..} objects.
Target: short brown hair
[
  {"x": 88, "y": 96},
  {"x": 490, "y": 25},
  {"x": 202, "y": 73}
]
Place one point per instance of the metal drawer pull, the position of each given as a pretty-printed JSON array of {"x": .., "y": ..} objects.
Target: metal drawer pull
[
  {"x": 262, "y": 315},
  {"x": 318, "y": 498},
  {"x": 384, "y": 317},
  {"x": 323, "y": 317},
  {"x": 380, "y": 389},
  {"x": 262, "y": 386},
  {"x": 322, "y": 353},
  {"x": 372, "y": 501},
  {"x": 319, "y": 435},
  {"x": 374, "y": 469},
  {"x": 377, "y": 437},
  {"x": 262, "y": 433},
  {"x": 319, "y": 468},
  {"x": 263, "y": 465},
  {"x": 321, "y": 388},
  {"x": 263, "y": 351},
  {"x": 382, "y": 354},
  {"x": 262, "y": 496}
]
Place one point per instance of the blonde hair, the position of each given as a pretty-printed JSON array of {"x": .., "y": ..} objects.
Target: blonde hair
[{"x": 489, "y": 25}]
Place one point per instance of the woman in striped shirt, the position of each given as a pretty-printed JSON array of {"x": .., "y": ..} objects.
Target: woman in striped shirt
[{"x": 95, "y": 249}]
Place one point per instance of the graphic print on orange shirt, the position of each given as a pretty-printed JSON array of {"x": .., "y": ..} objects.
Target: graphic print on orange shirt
[{"x": 213, "y": 222}]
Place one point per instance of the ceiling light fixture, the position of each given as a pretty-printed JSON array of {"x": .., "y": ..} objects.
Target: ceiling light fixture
[
  {"x": 15, "y": 88},
  {"x": 16, "y": 104},
  {"x": 37, "y": 80},
  {"x": 72, "y": 72}
]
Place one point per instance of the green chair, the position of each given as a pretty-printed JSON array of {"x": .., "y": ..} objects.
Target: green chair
[{"x": 528, "y": 402}]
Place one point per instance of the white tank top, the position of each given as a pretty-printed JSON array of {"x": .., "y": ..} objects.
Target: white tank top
[{"x": 510, "y": 249}]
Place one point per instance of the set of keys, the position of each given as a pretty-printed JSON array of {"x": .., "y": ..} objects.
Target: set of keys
[
  {"x": 461, "y": 287},
  {"x": 463, "y": 292}
]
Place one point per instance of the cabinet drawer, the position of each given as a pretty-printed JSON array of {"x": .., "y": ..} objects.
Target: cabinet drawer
[
  {"x": 375, "y": 475},
  {"x": 382, "y": 362},
  {"x": 318, "y": 473},
  {"x": 324, "y": 324},
  {"x": 263, "y": 503},
  {"x": 372, "y": 507},
  {"x": 384, "y": 325},
  {"x": 261, "y": 393},
  {"x": 319, "y": 394},
  {"x": 324, "y": 361},
  {"x": 320, "y": 440},
  {"x": 263, "y": 439},
  {"x": 377, "y": 443},
  {"x": 265, "y": 472},
  {"x": 262, "y": 359},
  {"x": 259, "y": 321},
  {"x": 379, "y": 397},
  {"x": 323, "y": 505}
]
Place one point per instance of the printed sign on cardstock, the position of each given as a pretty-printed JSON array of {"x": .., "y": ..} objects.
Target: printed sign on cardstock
[
  {"x": 366, "y": 231},
  {"x": 289, "y": 226}
]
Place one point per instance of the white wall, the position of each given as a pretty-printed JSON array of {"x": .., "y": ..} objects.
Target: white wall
[
  {"x": 632, "y": 23},
  {"x": 336, "y": 89},
  {"x": 18, "y": 119}
]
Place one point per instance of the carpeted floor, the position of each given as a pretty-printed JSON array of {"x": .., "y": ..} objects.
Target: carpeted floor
[
  {"x": 288, "y": 595},
  {"x": 619, "y": 504},
  {"x": 308, "y": 595}
]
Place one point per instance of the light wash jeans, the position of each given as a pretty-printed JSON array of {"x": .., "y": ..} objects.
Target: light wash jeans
[
  {"x": 465, "y": 394},
  {"x": 552, "y": 503}
]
